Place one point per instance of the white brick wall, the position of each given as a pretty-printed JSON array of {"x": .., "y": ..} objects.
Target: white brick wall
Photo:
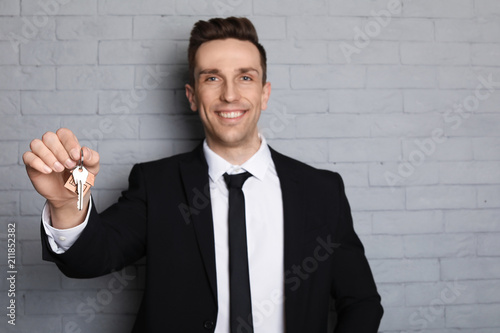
[{"x": 421, "y": 173}]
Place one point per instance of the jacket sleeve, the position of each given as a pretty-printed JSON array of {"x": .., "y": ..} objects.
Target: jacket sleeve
[
  {"x": 357, "y": 301},
  {"x": 111, "y": 240}
]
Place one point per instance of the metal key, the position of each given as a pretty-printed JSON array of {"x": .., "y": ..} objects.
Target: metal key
[{"x": 80, "y": 175}]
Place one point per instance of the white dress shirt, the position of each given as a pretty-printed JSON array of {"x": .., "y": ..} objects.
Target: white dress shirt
[{"x": 264, "y": 222}]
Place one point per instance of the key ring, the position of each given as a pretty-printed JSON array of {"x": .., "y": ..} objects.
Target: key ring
[{"x": 81, "y": 158}]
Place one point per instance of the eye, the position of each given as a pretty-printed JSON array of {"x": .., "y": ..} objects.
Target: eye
[
  {"x": 211, "y": 78},
  {"x": 246, "y": 78}
]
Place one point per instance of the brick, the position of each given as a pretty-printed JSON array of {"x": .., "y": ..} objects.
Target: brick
[
  {"x": 35, "y": 324},
  {"x": 92, "y": 28},
  {"x": 485, "y": 54},
  {"x": 444, "y": 245},
  {"x": 365, "y": 101},
  {"x": 27, "y": 226},
  {"x": 31, "y": 253},
  {"x": 276, "y": 123},
  {"x": 9, "y": 203},
  {"x": 401, "y": 77},
  {"x": 14, "y": 178},
  {"x": 296, "y": 52},
  {"x": 9, "y": 153},
  {"x": 47, "y": 7},
  {"x": 408, "y": 222},
  {"x": 327, "y": 77},
  {"x": 407, "y": 29},
  {"x": 362, "y": 221},
  {"x": 131, "y": 7},
  {"x": 332, "y": 126},
  {"x": 138, "y": 52},
  {"x": 113, "y": 178},
  {"x": 467, "y": 78},
  {"x": 423, "y": 100},
  {"x": 488, "y": 245},
  {"x": 361, "y": 150},
  {"x": 31, "y": 202},
  {"x": 403, "y": 174},
  {"x": 448, "y": 293},
  {"x": 170, "y": 127},
  {"x": 11, "y": 103},
  {"x": 405, "y": 125},
  {"x": 27, "y": 78},
  {"x": 32, "y": 127},
  {"x": 378, "y": 53},
  {"x": 406, "y": 270},
  {"x": 279, "y": 76},
  {"x": 322, "y": 27},
  {"x": 219, "y": 8},
  {"x": 298, "y": 101},
  {"x": 488, "y": 196},
  {"x": 161, "y": 77},
  {"x": 163, "y": 27},
  {"x": 470, "y": 172},
  {"x": 8, "y": 56},
  {"x": 476, "y": 31},
  {"x": 353, "y": 174},
  {"x": 26, "y": 29},
  {"x": 313, "y": 7},
  {"x": 98, "y": 128},
  {"x": 472, "y": 220},
  {"x": 59, "y": 102},
  {"x": 468, "y": 316},
  {"x": 309, "y": 151},
  {"x": 270, "y": 27},
  {"x": 46, "y": 277},
  {"x": 477, "y": 268},
  {"x": 487, "y": 7},
  {"x": 363, "y": 8},
  {"x": 109, "y": 323},
  {"x": 101, "y": 77},
  {"x": 383, "y": 246},
  {"x": 408, "y": 319},
  {"x": 435, "y": 54},
  {"x": 440, "y": 197},
  {"x": 120, "y": 152},
  {"x": 438, "y": 9},
  {"x": 138, "y": 102},
  {"x": 392, "y": 294},
  {"x": 374, "y": 199},
  {"x": 59, "y": 53},
  {"x": 10, "y": 7},
  {"x": 477, "y": 125},
  {"x": 454, "y": 149}
]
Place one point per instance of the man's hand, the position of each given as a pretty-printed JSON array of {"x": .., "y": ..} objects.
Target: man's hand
[{"x": 49, "y": 165}]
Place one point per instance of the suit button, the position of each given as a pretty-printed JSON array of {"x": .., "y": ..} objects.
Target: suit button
[{"x": 209, "y": 324}]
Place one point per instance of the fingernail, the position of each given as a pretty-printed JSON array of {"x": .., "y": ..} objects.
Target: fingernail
[
  {"x": 70, "y": 164},
  {"x": 58, "y": 166},
  {"x": 75, "y": 153},
  {"x": 47, "y": 169}
]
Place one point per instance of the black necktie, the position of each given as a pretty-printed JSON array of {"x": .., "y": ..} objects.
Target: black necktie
[{"x": 240, "y": 303}]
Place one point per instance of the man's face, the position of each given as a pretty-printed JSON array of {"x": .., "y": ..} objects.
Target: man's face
[{"x": 229, "y": 93}]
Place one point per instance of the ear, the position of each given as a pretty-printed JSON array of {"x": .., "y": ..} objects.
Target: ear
[
  {"x": 191, "y": 97},
  {"x": 266, "y": 92}
]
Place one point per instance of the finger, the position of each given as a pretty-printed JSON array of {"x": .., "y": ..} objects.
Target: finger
[
  {"x": 52, "y": 142},
  {"x": 39, "y": 148},
  {"x": 70, "y": 143},
  {"x": 91, "y": 160},
  {"x": 34, "y": 162}
]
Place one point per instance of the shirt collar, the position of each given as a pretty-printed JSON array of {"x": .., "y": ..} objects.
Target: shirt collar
[{"x": 257, "y": 165}]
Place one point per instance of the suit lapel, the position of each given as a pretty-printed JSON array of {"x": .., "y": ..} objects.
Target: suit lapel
[
  {"x": 194, "y": 173},
  {"x": 293, "y": 220}
]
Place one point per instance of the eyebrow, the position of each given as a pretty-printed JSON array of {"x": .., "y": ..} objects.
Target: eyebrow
[{"x": 239, "y": 71}]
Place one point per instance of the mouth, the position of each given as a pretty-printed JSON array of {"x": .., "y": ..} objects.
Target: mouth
[{"x": 233, "y": 114}]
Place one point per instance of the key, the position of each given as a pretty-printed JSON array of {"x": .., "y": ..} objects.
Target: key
[{"x": 80, "y": 175}]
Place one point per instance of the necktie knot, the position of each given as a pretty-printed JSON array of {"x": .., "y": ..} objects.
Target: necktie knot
[{"x": 236, "y": 181}]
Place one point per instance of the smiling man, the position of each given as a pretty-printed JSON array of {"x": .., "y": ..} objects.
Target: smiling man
[{"x": 238, "y": 237}]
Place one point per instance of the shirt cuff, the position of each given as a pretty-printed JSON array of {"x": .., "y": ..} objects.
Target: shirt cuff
[{"x": 61, "y": 240}]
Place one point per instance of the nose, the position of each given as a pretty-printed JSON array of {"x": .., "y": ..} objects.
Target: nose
[{"x": 230, "y": 92}]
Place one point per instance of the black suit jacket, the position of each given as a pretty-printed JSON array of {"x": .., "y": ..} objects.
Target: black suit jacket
[{"x": 166, "y": 216}]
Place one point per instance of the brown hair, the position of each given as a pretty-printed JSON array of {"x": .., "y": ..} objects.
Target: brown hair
[{"x": 239, "y": 28}]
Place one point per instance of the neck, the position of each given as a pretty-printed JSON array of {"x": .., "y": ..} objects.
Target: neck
[{"x": 235, "y": 154}]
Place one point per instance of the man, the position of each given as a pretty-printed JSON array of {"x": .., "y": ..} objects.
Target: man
[{"x": 301, "y": 248}]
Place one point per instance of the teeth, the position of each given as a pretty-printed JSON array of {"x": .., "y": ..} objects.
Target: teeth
[{"x": 230, "y": 115}]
